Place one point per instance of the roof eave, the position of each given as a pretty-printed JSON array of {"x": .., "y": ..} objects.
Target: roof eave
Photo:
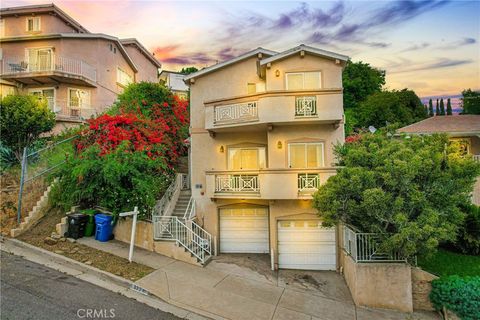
[{"x": 311, "y": 50}]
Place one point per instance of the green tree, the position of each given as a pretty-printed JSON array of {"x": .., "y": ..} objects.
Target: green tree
[
  {"x": 23, "y": 118},
  {"x": 449, "y": 107},
  {"x": 437, "y": 109},
  {"x": 471, "y": 101},
  {"x": 430, "y": 108},
  {"x": 410, "y": 191},
  {"x": 188, "y": 70},
  {"x": 388, "y": 107},
  {"x": 442, "y": 108},
  {"x": 359, "y": 81}
]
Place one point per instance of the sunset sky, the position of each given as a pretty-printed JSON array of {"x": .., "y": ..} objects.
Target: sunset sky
[{"x": 429, "y": 46}]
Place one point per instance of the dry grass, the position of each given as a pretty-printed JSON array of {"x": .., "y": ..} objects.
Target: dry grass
[{"x": 99, "y": 259}]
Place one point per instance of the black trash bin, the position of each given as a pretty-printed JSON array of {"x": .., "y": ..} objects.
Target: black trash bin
[{"x": 76, "y": 225}]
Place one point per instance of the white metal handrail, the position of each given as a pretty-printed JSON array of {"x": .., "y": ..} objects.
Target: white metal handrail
[
  {"x": 308, "y": 182},
  {"x": 237, "y": 183},
  {"x": 52, "y": 62},
  {"x": 306, "y": 106},
  {"x": 190, "y": 211},
  {"x": 236, "y": 112},
  {"x": 161, "y": 205},
  {"x": 194, "y": 239},
  {"x": 365, "y": 247}
]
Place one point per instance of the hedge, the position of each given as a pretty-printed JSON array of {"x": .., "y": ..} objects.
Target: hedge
[{"x": 458, "y": 294}]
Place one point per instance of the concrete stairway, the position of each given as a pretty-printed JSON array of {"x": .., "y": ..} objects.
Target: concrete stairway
[{"x": 182, "y": 203}]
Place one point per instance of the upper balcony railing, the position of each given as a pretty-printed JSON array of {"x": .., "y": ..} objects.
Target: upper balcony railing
[
  {"x": 236, "y": 183},
  {"x": 308, "y": 182},
  {"x": 236, "y": 112},
  {"x": 53, "y": 63},
  {"x": 306, "y": 106},
  {"x": 274, "y": 107}
]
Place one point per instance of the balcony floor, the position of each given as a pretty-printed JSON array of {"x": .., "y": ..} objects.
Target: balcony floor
[{"x": 48, "y": 78}]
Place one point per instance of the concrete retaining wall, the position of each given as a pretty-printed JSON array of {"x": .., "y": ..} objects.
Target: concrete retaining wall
[{"x": 379, "y": 285}]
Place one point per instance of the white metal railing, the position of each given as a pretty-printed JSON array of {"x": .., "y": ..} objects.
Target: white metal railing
[
  {"x": 162, "y": 204},
  {"x": 190, "y": 211},
  {"x": 306, "y": 106},
  {"x": 476, "y": 157},
  {"x": 365, "y": 247},
  {"x": 308, "y": 182},
  {"x": 237, "y": 183},
  {"x": 52, "y": 62},
  {"x": 236, "y": 112},
  {"x": 189, "y": 235}
]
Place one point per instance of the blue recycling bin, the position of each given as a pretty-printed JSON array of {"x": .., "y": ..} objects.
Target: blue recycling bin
[{"x": 104, "y": 227}]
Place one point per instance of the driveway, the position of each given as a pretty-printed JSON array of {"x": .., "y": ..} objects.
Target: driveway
[{"x": 242, "y": 286}]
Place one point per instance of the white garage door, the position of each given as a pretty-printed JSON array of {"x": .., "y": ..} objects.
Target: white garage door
[
  {"x": 305, "y": 244},
  {"x": 244, "y": 230}
]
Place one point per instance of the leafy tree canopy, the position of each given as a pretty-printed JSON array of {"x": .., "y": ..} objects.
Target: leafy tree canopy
[
  {"x": 23, "y": 118},
  {"x": 471, "y": 101},
  {"x": 388, "y": 107},
  {"x": 188, "y": 70},
  {"x": 359, "y": 81},
  {"x": 408, "y": 190}
]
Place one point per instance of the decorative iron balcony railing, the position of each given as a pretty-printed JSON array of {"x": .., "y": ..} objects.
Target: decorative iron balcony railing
[
  {"x": 247, "y": 111},
  {"x": 237, "y": 183},
  {"x": 306, "y": 106},
  {"x": 308, "y": 182}
]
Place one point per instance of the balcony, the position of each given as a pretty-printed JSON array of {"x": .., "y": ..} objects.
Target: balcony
[
  {"x": 64, "y": 112},
  {"x": 267, "y": 108},
  {"x": 49, "y": 69},
  {"x": 268, "y": 184}
]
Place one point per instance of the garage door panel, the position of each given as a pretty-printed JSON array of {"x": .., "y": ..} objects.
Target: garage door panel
[
  {"x": 306, "y": 245},
  {"x": 244, "y": 230}
]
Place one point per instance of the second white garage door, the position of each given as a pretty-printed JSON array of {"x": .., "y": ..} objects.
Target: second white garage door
[
  {"x": 305, "y": 244},
  {"x": 244, "y": 230}
]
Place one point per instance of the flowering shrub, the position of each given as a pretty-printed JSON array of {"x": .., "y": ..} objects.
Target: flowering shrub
[{"x": 126, "y": 157}]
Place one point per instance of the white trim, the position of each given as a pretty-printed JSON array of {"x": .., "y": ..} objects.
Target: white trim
[
  {"x": 259, "y": 149},
  {"x": 36, "y": 18},
  {"x": 303, "y": 79},
  {"x": 311, "y": 50},
  {"x": 306, "y": 143},
  {"x": 229, "y": 62}
]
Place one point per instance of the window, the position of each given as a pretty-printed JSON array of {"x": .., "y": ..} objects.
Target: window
[
  {"x": 251, "y": 88},
  {"x": 463, "y": 144},
  {"x": 33, "y": 24},
  {"x": 78, "y": 99},
  {"x": 123, "y": 78},
  {"x": 40, "y": 59},
  {"x": 303, "y": 80},
  {"x": 2, "y": 28},
  {"x": 47, "y": 93},
  {"x": 246, "y": 158},
  {"x": 305, "y": 155}
]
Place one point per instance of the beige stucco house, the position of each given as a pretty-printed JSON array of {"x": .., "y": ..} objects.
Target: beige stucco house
[
  {"x": 463, "y": 129},
  {"x": 174, "y": 81},
  {"x": 263, "y": 126},
  {"x": 46, "y": 52}
]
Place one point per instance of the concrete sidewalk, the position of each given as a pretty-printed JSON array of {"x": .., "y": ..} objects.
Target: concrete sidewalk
[
  {"x": 89, "y": 274},
  {"x": 243, "y": 287}
]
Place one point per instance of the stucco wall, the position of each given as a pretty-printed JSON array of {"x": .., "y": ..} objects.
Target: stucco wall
[
  {"x": 17, "y": 26},
  {"x": 379, "y": 285},
  {"x": 147, "y": 71}
]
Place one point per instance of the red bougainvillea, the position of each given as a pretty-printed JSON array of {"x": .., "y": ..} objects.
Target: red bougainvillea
[
  {"x": 160, "y": 134},
  {"x": 353, "y": 138}
]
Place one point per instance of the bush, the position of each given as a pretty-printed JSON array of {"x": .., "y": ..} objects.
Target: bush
[
  {"x": 7, "y": 157},
  {"x": 118, "y": 180},
  {"x": 468, "y": 239},
  {"x": 457, "y": 294},
  {"x": 29, "y": 116}
]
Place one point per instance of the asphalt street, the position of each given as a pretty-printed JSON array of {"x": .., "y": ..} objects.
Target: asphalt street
[{"x": 32, "y": 291}]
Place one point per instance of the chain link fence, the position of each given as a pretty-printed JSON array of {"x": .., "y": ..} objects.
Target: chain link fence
[{"x": 38, "y": 171}]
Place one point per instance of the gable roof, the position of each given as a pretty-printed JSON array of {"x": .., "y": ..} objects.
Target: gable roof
[
  {"x": 302, "y": 47},
  {"x": 466, "y": 124},
  {"x": 43, "y": 8},
  {"x": 229, "y": 62},
  {"x": 142, "y": 49}
]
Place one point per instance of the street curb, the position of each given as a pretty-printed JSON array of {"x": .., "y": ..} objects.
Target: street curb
[{"x": 92, "y": 275}]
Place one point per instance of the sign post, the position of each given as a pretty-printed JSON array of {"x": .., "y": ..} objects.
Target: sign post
[{"x": 133, "y": 213}]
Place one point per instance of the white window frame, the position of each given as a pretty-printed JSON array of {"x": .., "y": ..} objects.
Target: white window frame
[
  {"x": 120, "y": 74},
  {"x": 41, "y": 89},
  {"x": 259, "y": 149},
  {"x": 82, "y": 105},
  {"x": 303, "y": 79},
  {"x": 33, "y": 24},
  {"x": 322, "y": 144},
  {"x": 2, "y": 27}
]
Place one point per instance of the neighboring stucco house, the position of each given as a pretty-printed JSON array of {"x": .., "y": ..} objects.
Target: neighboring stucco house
[
  {"x": 174, "y": 81},
  {"x": 462, "y": 128},
  {"x": 46, "y": 52},
  {"x": 263, "y": 126}
]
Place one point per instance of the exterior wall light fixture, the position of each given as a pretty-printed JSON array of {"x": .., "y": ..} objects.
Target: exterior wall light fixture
[
  {"x": 279, "y": 145},
  {"x": 222, "y": 149},
  {"x": 277, "y": 73}
]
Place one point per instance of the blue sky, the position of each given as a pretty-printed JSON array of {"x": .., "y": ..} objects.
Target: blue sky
[{"x": 429, "y": 46}]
